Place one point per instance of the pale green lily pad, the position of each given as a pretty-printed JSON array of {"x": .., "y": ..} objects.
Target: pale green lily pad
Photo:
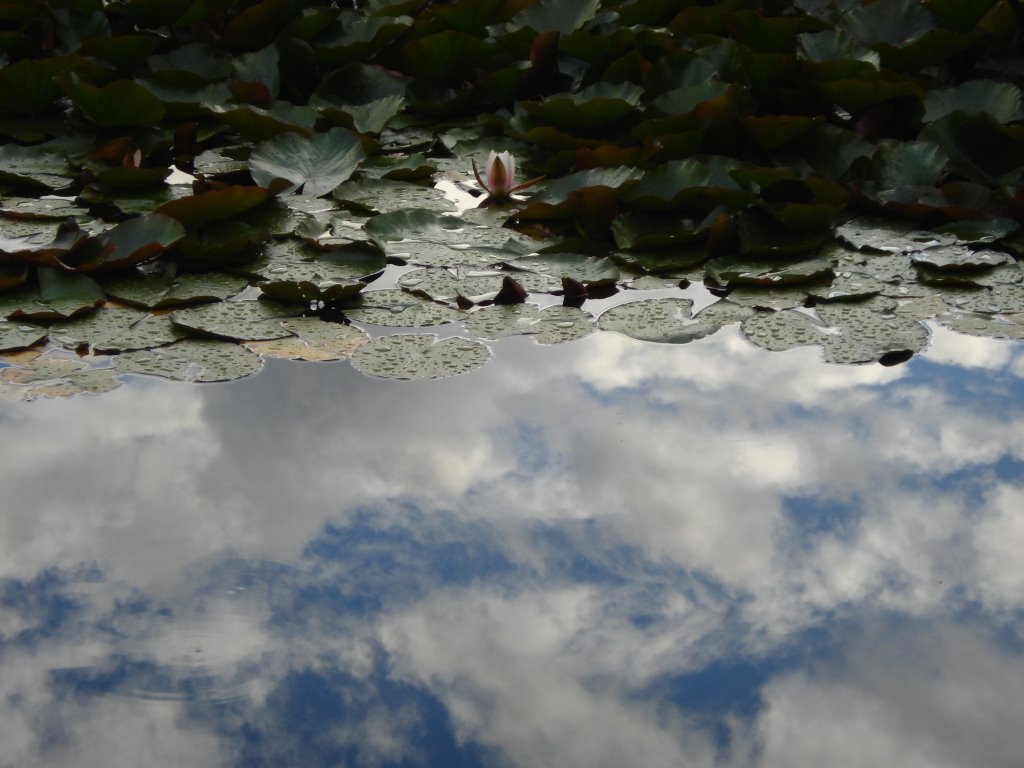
[
  {"x": 974, "y": 324},
  {"x": 419, "y": 356},
  {"x": 1012, "y": 272},
  {"x": 115, "y": 329},
  {"x": 40, "y": 208},
  {"x": 315, "y": 340},
  {"x": 291, "y": 259},
  {"x": 399, "y": 309},
  {"x": 19, "y": 336},
  {"x": 551, "y": 325},
  {"x": 998, "y": 299},
  {"x": 957, "y": 257},
  {"x": 162, "y": 292},
  {"x": 668, "y": 320},
  {"x": 783, "y": 330},
  {"x": 11, "y": 228},
  {"x": 443, "y": 285},
  {"x": 593, "y": 271},
  {"x": 865, "y": 335},
  {"x": 59, "y": 377},
  {"x": 384, "y": 196},
  {"x": 239, "y": 320},
  {"x": 200, "y": 360},
  {"x": 768, "y": 298},
  {"x": 886, "y": 236},
  {"x": 896, "y": 268},
  {"x": 848, "y": 286},
  {"x": 921, "y": 308}
]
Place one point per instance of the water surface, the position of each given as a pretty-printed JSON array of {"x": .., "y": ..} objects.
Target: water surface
[{"x": 606, "y": 553}]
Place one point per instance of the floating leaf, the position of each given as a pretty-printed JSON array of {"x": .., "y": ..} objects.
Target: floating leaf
[
  {"x": 192, "y": 360},
  {"x": 959, "y": 257},
  {"x": 115, "y": 329},
  {"x": 884, "y": 235},
  {"x": 730, "y": 271},
  {"x": 419, "y": 356},
  {"x": 159, "y": 292},
  {"x": 1002, "y": 101},
  {"x": 59, "y": 377},
  {"x": 119, "y": 103},
  {"x": 974, "y": 324},
  {"x": 317, "y": 164},
  {"x": 19, "y": 335},
  {"x": 868, "y": 336},
  {"x": 130, "y": 242},
  {"x": 396, "y": 308},
  {"x": 315, "y": 341},
  {"x": 35, "y": 166},
  {"x": 551, "y": 325},
  {"x": 383, "y": 196},
  {"x": 594, "y": 271},
  {"x": 239, "y": 320},
  {"x": 783, "y": 330}
]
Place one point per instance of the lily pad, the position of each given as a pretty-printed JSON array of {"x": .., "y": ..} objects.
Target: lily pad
[
  {"x": 315, "y": 340},
  {"x": 865, "y": 335},
  {"x": 419, "y": 356},
  {"x": 729, "y": 271},
  {"x": 886, "y": 236},
  {"x": 399, "y": 309},
  {"x": 238, "y": 320},
  {"x": 59, "y": 377},
  {"x": 317, "y": 164},
  {"x": 34, "y": 166},
  {"x": 974, "y": 324},
  {"x": 159, "y": 292},
  {"x": 593, "y": 271},
  {"x": 19, "y": 335},
  {"x": 551, "y": 325},
  {"x": 783, "y": 330},
  {"x": 196, "y": 360},
  {"x": 959, "y": 257},
  {"x": 384, "y": 196},
  {"x": 115, "y": 329},
  {"x": 998, "y": 299},
  {"x": 667, "y": 321}
]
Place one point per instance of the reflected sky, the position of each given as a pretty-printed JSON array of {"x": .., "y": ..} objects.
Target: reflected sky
[{"x": 606, "y": 553}]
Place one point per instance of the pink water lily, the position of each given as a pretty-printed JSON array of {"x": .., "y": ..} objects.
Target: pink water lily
[{"x": 501, "y": 174}]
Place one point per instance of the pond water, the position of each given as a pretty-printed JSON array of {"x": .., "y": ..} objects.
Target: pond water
[{"x": 604, "y": 553}]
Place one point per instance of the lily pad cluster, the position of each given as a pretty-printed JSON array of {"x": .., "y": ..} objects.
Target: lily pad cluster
[{"x": 182, "y": 177}]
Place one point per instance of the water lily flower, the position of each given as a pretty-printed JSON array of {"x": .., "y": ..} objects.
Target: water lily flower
[{"x": 501, "y": 174}]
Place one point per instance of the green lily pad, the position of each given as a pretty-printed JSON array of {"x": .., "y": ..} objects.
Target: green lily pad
[
  {"x": 848, "y": 286},
  {"x": 730, "y": 271},
  {"x": 39, "y": 242},
  {"x": 238, "y": 320},
  {"x": 197, "y": 360},
  {"x": 867, "y": 336},
  {"x": 562, "y": 16},
  {"x": 399, "y": 309},
  {"x": 783, "y": 330},
  {"x": 118, "y": 103},
  {"x": 442, "y": 285},
  {"x": 260, "y": 124},
  {"x": 217, "y": 204},
  {"x": 159, "y": 292},
  {"x": 1000, "y": 100},
  {"x": 667, "y": 321},
  {"x": 419, "y": 356},
  {"x": 317, "y": 164},
  {"x": 887, "y": 236},
  {"x": 593, "y": 106},
  {"x": 974, "y": 324},
  {"x": 998, "y": 299},
  {"x": 384, "y": 196},
  {"x": 976, "y": 231},
  {"x": 40, "y": 208},
  {"x": 130, "y": 242},
  {"x": 34, "y": 166},
  {"x": 593, "y": 271},
  {"x": 768, "y": 298},
  {"x": 959, "y": 257},
  {"x": 19, "y": 335},
  {"x": 551, "y": 325},
  {"x": 115, "y": 329}
]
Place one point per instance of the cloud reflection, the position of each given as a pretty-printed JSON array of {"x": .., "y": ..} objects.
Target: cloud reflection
[{"x": 609, "y": 553}]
